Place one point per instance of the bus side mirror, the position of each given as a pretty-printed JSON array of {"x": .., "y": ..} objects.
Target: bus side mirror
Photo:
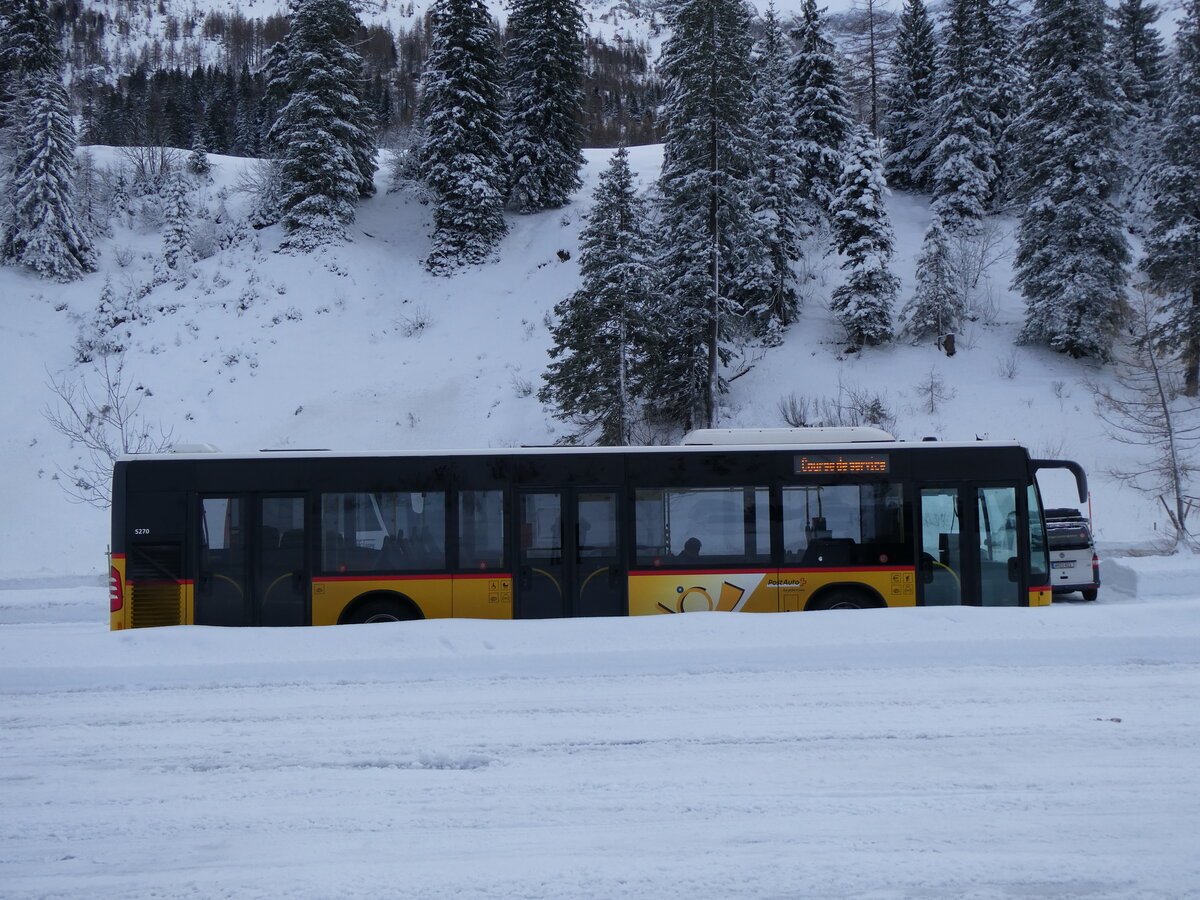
[{"x": 1014, "y": 569}]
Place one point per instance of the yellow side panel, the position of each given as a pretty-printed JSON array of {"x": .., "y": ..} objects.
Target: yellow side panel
[
  {"x": 896, "y": 587},
  {"x": 331, "y": 595},
  {"x": 189, "y": 603},
  {"x": 483, "y": 596},
  {"x": 119, "y": 620},
  {"x": 675, "y": 592},
  {"x": 1040, "y": 596}
]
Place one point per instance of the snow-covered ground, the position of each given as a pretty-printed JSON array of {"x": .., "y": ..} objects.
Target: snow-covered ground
[{"x": 916, "y": 753}]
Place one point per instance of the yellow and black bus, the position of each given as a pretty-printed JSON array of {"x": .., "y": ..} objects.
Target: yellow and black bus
[{"x": 749, "y": 520}]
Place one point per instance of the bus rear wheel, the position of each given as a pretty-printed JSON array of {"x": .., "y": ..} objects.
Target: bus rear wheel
[
  {"x": 843, "y": 600},
  {"x": 374, "y": 612}
]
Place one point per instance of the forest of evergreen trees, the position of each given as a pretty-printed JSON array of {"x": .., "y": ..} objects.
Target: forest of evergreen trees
[{"x": 780, "y": 139}]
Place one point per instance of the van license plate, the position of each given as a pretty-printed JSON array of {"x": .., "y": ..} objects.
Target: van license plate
[{"x": 1065, "y": 564}]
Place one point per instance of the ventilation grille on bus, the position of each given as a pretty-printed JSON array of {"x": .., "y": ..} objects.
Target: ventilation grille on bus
[{"x": 155, "y": 594}]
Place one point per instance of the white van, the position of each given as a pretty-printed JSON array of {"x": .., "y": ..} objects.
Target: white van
[{"x": 1073, "y": 562}]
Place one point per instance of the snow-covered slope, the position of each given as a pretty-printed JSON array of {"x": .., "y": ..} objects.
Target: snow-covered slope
[{"x": 359, "y": 348}]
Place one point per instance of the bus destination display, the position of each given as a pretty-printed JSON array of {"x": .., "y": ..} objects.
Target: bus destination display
[{"x": 841, "y": 464}]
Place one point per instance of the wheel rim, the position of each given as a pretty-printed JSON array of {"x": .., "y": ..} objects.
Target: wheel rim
[
  {"x": 381, "y": 617},
  {"x": 844, "y": 604}
]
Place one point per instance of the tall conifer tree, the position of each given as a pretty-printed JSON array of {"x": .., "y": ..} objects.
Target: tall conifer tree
[
  {"x": 1071, "y": 248},
  {"x": 707, "y": 227},
  {"x": 822, "y": 109},
  {"x": 461, "y": 155},
  {"x": 596, "y": 378},
  {"x": 963, "y": 158},
  {"x": 910, "y": 93},
  {"x": 862, "y": 233},
  {"x": 544, "y": 128},
  {"x": 40, "y": 229},
  {"x": 323, "y": 131},
  {"x": 778, "y": 190},
  {"x": 1172, "y": 259}
]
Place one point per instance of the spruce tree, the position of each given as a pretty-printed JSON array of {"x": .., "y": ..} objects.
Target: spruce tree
[
  {"x": 778, "y": 191},
  {"x": 461, "y": 154},
  {"x": 322, "y": 132},
  {"x": 862, "y": 233},
  {"x": 1172, "y": 259},
  {"x": 1071, "y": 248},
  {"x": 177, "y": 227},
  {"x": 1003, "y": 81},
  {"x": 909, "y": 96},
  {"x": 544, "y": 127},
  {"x": 936, "y": 307},
  {"x": 822, "y": 110},
  {"x": 708, "y": 236},
  {"x": 1137, "y": 52},
  {"x": 595, "y": 380},
  {"x": 39, "y": 228},
  {"x": 963, "y": 157}
]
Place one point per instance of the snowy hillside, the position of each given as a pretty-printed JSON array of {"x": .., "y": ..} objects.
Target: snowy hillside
[{"x": 359, "y": 347}]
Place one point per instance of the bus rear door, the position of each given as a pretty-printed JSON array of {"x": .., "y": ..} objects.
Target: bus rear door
[{"x": 971, "y": 543}]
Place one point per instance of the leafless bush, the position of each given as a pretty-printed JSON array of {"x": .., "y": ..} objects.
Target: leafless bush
[
  {"x": 150, "y": 166},
  {"x": 260, "y": 181},
  {"x": 1006, "y": 366},
  {"x": 798, "y": 412},
  {"x": 415, "y": 322},
  {"x": 971, "y": 258},
  {"x": 933, "y": 391},
  {"x": 852, "y": 407},
  {"x": 99, "y": 413}
]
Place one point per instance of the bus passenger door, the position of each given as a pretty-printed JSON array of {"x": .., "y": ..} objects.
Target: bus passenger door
[
  {"x": 222, "y": 579},
  {"x": 541, "y": 568},
  {"x": 281, "y": 569},
  {"x": 569, "y": 554},
  {"x": 252, "y": 561},
  {"x": 940, "y": 563},
  {"x": 970, "y": 546},
  {"x": 999, "y": 547},
  {"x": 599, "y": 582}
]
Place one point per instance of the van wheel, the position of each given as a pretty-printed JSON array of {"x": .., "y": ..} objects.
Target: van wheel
[
  {"x": 1089, "y": 594},
  {"x": 376, "y": 611}
]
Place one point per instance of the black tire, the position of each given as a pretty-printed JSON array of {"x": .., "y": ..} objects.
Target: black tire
[
  {"x": 1089, "y": 594},
  {"x": 843, "y": 600},
  {"x": 378, "y": 611}
]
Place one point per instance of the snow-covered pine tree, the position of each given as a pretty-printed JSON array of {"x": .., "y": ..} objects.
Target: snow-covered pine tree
[
  {"x": 909, "y": 97},
  {"x": 778, "y": 191},
  {"x": 28, "y": 45},
  {"x": 198, "y": 163},
  {"x": 963, "y": 157},
  {"x": 1172, "y": 259},
  {"x": 708, "y": 234},
  {"x": 177, "y": 225},
  {"x": 936, "y": 307},
  {"x": 1003, "y": 81},
  {"x": 1138, "y": 59},
  {"x": 821, "y": 107},
  {"x": 595, "y": 380},
  {"x": 39, "y": 227},
  {"x": 1136, "y": 50},
  {"x": 544, "y": 126},
  {"x": 862, "y": 233},
  {"x": 323, "y": 132},
  {"x": 461, "y": 154},
  {"x": 1071, "y": 248}
]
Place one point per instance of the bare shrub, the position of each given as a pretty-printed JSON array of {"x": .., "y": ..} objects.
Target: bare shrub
[
  {"x": 99, "y": 412},
  {"x": 150, "y": 166}
]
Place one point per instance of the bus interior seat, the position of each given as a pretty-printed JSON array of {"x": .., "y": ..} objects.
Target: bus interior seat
[{"x": 829, "y": 552}]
